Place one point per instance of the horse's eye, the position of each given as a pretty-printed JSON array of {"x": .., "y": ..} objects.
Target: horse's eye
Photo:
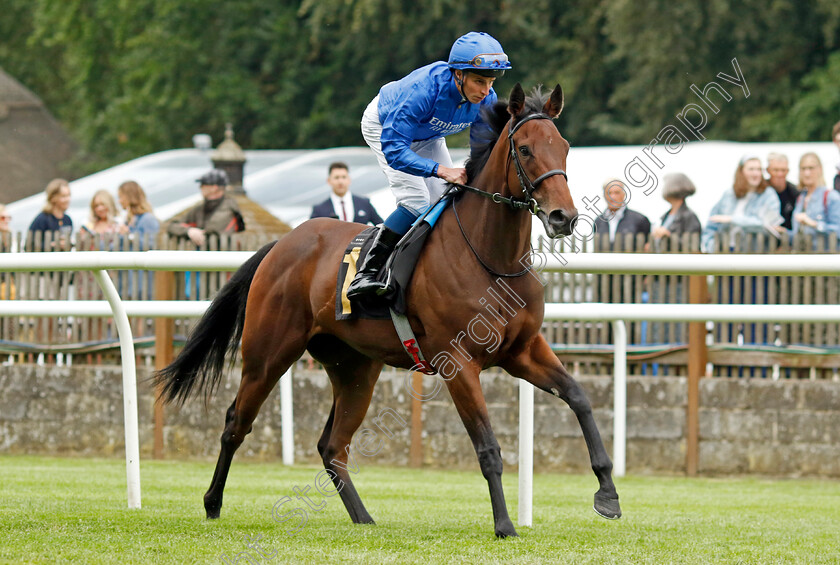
[{"x": 524, "y": 151}]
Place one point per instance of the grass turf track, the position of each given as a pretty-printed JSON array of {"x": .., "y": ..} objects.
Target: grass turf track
[{"x": 56, "y": 510}]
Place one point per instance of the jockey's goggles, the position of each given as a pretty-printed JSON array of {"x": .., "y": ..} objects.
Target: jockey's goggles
[{"x": 487, "y": 61}]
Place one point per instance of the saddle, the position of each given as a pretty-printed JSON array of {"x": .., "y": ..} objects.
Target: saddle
[{"x": 397, "y": 273}]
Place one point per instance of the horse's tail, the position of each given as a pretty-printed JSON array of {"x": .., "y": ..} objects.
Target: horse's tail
[{"x": 200, "y": 365}]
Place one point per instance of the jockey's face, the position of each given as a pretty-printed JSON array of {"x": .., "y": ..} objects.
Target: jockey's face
[{"x": 475, "y": 87}]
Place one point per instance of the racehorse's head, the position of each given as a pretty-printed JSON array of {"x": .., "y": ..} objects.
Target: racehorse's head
[{"x": 538, "y": 154}]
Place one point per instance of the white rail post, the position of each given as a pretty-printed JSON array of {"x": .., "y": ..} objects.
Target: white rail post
[
  {"x": 287, "y": 420},
  {"x": 619, "y": 397},
  {"x": 129, "y": 378},
  {"x": 526, "y": 453}
]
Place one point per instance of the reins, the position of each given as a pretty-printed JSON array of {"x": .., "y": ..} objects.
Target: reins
[
  {"x": 480, "y": 260},
  {"x": 497, "y": 198},
  {"x": 516, "y": 204}
]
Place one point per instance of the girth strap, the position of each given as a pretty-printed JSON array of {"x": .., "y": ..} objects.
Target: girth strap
[{"x": 409, "y": 343}]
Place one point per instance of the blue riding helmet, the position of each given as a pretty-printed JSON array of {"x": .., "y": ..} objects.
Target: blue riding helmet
[{"x": 478, "y": 52}]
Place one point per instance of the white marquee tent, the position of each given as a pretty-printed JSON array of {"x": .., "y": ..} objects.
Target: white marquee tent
[{"x": 289, "y": 182}]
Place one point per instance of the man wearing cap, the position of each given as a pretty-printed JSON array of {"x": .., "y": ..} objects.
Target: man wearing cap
[
  {"x": 342, "y": 204},
  {"x": 219, "y": 213}
]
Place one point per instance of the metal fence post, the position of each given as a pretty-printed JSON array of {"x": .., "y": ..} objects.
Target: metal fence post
[{"x": 129, "y": 377}]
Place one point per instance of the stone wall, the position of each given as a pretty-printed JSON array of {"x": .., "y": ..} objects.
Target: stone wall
[{"x": 789, "y": 428}]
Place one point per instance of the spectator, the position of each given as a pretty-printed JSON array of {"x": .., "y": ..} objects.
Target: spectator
[
  {"x": 618, "y": 218},
  {"x": 141, "y": 226},
  {"x": 835, "y": 137},
  {"x": 103, "y": 215},
  {"x": 679, "y": 219},
  {"x": 777, "y": 168},
  {"x": 5, "y": 232},
  {"x": 4, "y": 219},
  {"x": 7, "y": 244},
  {"x": 53, "y": 218},
  {"x": 817, "y": 211},
  {"x": 219, "y": 213},
  {"x": 140, "y": 221},
  {"x": 342, "y": 204},
  {"x": 747, "y": 207}
]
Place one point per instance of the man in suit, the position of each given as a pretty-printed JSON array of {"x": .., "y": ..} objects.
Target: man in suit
[
  {"x": 618, "y": 218},
  {"x": 342, "y": 204}
]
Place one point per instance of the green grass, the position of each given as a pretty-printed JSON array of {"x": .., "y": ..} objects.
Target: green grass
[{"x": 56, "y": 510}]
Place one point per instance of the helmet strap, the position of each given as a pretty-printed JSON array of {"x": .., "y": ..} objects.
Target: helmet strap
[{"x": 459, "y": 82}]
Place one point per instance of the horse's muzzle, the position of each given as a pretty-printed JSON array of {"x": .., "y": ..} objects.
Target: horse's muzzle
[{"x": 561, "y": 222}]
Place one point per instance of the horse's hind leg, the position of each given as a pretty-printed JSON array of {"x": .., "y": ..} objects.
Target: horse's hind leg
[
  {"x": 540, "y": 367},
  {"x": 325, "y": 435},
  {"x": 259, "y": 377},
  {"x": 212, "y": 502},
  {"x": 353, "y": 378}
]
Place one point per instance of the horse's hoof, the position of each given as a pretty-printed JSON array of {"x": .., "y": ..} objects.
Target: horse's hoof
[
  {"x": 212, "y": 506},
  {"x": 607, "y": 506},
  {"x": 362, "y": 517},
  {"x": 506, "y": 531}
]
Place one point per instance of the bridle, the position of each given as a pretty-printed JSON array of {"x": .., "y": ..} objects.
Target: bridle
[{"x": 528, "y": 188}]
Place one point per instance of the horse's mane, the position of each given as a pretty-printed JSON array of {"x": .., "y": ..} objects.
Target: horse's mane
[{"x": 495, "y": 117}]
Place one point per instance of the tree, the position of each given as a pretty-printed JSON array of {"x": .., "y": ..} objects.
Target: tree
[{"x": 131, "y": 78}]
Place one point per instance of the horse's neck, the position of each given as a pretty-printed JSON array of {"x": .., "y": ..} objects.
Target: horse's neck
[{"x": 500, "y": 235}]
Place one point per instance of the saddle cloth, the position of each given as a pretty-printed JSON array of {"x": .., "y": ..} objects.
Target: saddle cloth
[{"x": 401, "y": 264}]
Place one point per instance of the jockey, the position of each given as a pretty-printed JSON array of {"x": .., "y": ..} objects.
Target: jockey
[{"x": 405, "y": 125}]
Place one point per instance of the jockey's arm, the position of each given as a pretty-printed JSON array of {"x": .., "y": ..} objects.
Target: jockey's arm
[{"x": 399, "y": 127}]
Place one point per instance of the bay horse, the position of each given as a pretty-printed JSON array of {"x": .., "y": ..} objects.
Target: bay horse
[{"x": 281, "y": 302}]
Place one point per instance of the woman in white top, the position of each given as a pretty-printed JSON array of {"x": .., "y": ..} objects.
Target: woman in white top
[{"x": 747, "y": 207}]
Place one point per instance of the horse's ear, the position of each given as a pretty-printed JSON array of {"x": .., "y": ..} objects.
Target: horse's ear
[
  {"x": 517, "y": 100},
  {"x": 555, "y": 103}
]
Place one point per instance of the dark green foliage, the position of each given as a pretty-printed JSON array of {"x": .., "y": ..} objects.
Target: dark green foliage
[{"x": 130, "y": 78}]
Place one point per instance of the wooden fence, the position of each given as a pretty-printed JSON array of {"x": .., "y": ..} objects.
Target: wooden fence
[
  {"x": 657, "y": 348},
  {"x": 94, "y": 340}
]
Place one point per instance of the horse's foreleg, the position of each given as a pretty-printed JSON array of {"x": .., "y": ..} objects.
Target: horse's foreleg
[
  {"x": 466, "y": 393},
  {"x": 539, "y": 366}
]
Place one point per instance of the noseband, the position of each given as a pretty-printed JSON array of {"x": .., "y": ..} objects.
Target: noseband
[{"x": 528, "y": 186}]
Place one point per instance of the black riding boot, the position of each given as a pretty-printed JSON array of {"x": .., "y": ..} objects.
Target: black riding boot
[{"x": 365, "y": 280}]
